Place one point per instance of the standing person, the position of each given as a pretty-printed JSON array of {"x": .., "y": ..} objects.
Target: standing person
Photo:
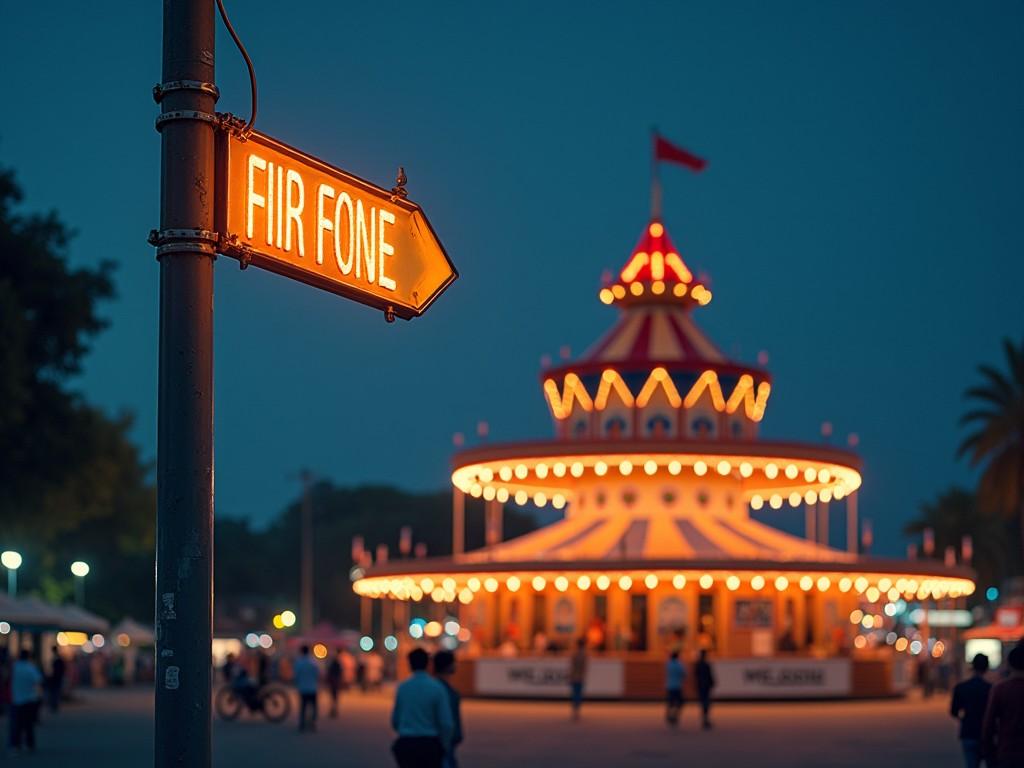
[
  {"x": 422, "y": 717},
  {"x": 577, "y": 676},
  {"x": 307, "y": 679},
  {"x": 55, "y": 685},
  {"x": 1002, "y": 732},
  {"x": 444, "y": 668},
  {"x": 373, "y": 674},
  {"x": 26, "y": 680},
  {"x": 334, "y": 680},
  {"x": 968, "y": 706},
  {"x": 705, "y": 679},
  {"x": 675, "y": 674}
]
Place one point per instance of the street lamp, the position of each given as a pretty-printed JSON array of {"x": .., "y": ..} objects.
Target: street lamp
[
  {"x": 80, "y": 569},
  {"x": 11, "y": 560}
]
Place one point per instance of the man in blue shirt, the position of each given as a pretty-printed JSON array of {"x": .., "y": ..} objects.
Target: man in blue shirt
[
  {"x": 307, "y": 681},
  {"x": 422, "y": 717},
  {"x": 675, "y": 674},
  {"x": 25, "y": 682},
  {"x": 444, "y": 668},
  {"x": 970, "y": 698}
]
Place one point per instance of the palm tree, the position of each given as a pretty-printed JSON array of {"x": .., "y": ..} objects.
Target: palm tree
[
  {"x": 997, "y": 439},
  {"x": 953, "y": 515}
]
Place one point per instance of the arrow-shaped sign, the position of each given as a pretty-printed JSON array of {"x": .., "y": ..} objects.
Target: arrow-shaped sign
[{"x": 289, "y": 213}]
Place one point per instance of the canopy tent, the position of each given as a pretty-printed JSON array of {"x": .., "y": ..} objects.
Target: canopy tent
[
  {"x": 30, "y": 614},
  {"x": 137, "y": 633}
]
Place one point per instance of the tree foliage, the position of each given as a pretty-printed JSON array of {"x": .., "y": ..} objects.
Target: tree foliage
[
  {"x": 72, "y": 484},
  {"x": 257, "y": 572},
  {"x": 996, "y": 442}
]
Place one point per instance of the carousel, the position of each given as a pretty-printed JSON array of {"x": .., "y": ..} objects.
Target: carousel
[{"x": 666, "y": 541}]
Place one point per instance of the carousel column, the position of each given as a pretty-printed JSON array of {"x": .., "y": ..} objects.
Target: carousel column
[
  {"x": 822, "y": 522},
  {"x": 458, "y": 521},
  {"x": 493, "y": 513},
  {"x": 852, "y": 545},
  {"x": 810, "y": 520}
]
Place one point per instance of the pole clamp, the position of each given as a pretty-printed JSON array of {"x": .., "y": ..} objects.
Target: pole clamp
[
  {"x": 233, "y": 125},
  {"x": 183, "y": 240},
  {"x": 230, "y": 246},
  {"x": 186, "y": 114},
  {"x": 162, "y": 89}
]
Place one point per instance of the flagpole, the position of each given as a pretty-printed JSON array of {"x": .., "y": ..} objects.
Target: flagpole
[{"x": 655, "y": 178}]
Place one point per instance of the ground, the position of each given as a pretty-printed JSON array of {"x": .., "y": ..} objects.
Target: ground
[{"x": 114, "y": 729}]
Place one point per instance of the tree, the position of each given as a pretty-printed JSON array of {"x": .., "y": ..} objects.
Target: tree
[
  {"x": 72, "y": 484},
  {"x": 997, "y": 439},
  {"x": 953, "y": 515}
]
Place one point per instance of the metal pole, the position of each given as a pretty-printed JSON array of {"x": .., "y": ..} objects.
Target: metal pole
[
  {"x": 458, "y": 521},
  {"x": 306, "y": 597},
  {"x": 823, "y": 523},
  {"x": 851, "y": 523},
  {"x": 12, "y": 582},
  {"x": 184, "y": 536},
  {"x": 80, "y": 591},
  {"x": 810, "y": 520}
]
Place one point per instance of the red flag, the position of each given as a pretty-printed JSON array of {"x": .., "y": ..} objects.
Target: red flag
[{"x": 666, "y": 150}]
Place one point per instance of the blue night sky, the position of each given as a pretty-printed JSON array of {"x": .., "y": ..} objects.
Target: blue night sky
[{"x": 860, "y": 216}]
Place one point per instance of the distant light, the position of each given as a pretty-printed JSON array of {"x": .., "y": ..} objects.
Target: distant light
[
  {"x": 650, "y": 466},
  {"x": 915, "y": 647},
  {"x": 991, "y": 594},
  {"x": 10, "y": 560},
  {"x": 656, "y": 229},
  {"x": 561, "y": 583},
  {"x": 700, "y": 468},
  {"x": 824, "y": 583},
  {"x": 415, "y": 631},
  {"x": 603, "y": 582},
  {"x": 124, "y": 640},
  {"x": 390, "y": 643},
  {"x": 277, "y": 621},
  {"x": 756, "y": 502},
  {"x": 679, "y": 581},
  {"x": 856, "y": 615},
  {"x": 771, "y": 471},
  {"x": 806, "y": 582},
  {"x": 266, "y": 641},
  {"x": 724, "y": 467},
  {"x": 650, "y": 581},
  {"x": 513, "y": 583},
  {"x": 781, "y": 583},
  {"x": 625, "y": 583},
  {"x": 746, "y": 470},
  {"x": 625, "y": 466},
  {"x": 320, "y": 651},
  {"x": 539, "y": 583},
  {"x": 706, "y": 581},
  {"x": 432, "y": 629},
  {"x": 732, "y": 583},
  {"x": 79, "y": 568},
  {"x": 252, "y": 640},
  {"x": 491, "y": 584},
  {"x": 600, "y": 469},
  {"x": 5, "y": 628},
  {"x": 451, "y": 627},
  {"x": 675, "y": 467},
  {"x": 583, "y": 582},
  {"x": 757, "y": 582},
  {"x": 366, "y": 643},
  {"x": 98, "y": 640},
  {"x": 288, "y": 618}
]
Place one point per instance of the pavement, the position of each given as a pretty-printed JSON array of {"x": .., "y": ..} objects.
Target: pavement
[{"x": 114, "y": 729}]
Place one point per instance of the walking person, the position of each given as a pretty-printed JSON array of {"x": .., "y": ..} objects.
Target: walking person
[
  {"x": 26, "y": 680},
  {"x": 704, "y": 676},
  {"x": 334, "y": 681},
  {"x": 444, "y": 668},
  {"x": 422, "y": 717},
  {"x": 1002, "y": 731},
  {"x": 577, "y": 676},
  {"x": 307, "y": 682},
  {"x": 967, "y": 705},
  {"x": 675, "y": 674},
  {"x": 55, "y": 684}
]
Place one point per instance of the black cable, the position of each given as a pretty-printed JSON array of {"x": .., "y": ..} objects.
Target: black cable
[{"x": 248, "y": 62}]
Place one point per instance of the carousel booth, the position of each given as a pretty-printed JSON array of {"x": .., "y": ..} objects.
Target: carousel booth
[{"x": 657, "y": 465}]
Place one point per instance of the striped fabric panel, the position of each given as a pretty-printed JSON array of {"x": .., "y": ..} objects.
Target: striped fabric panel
[
  {"x": 761, "y": 545},
  {"x": 789, "y": 546},
  {"x": 530, "y": 544},
  {"x": 642, "y": 341},
  {"x": 620, "y": 347},
  {"x": 726, "y": 541},
  {"x": 631, "y": 544},
  {"x": 704, "y": 347},
  {"x": 663, "y": 344},
  {"x": 701, "y": 545},
  {"x": 665, "y": 540},
  {"x": 601, "y": 539},
  {"x": 576, "y": 537}
]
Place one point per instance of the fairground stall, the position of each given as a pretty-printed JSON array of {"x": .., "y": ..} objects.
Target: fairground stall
[{"x": 666, "y": 490}]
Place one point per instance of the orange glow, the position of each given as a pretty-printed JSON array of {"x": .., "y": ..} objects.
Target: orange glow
[
  {"x": 636, "y": 288},
  {"x": 656, "y": 229},
  {"x": 538, "y": 583},
  {"x": 659, "y": 377},
  {"x": 320, "y": 651},
  {"x": 707, "y": 381},
  {"x": 606, "y": 296},
  {"x": 706, "y": 581},
  {"x": 625, "y": 583},
  {"x": 781, "y": 583},
  {"x": 679, "y": 290},
  {"x": 632, "y": 269},
  {"x": 610, "y": 380},
  {"x": 658, "y": 266},
  {"x": 650, "y": 581},
  {"x": 657, "y": 287},
  {"x": 603, "y": 582},
  {"x": 618, "y": 291},
  {"x": 673, "y": 262}
]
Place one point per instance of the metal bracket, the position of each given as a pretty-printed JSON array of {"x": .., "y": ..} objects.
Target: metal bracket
[
  {"x": 186, "y": 114},
  {"x": 229, "y": 244},
  {"x": 183, "y": 240},
  {"x": 162, "y": 89},
  {"x": 389, "y": 314},
  {"x": 233, "y": 125}
]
